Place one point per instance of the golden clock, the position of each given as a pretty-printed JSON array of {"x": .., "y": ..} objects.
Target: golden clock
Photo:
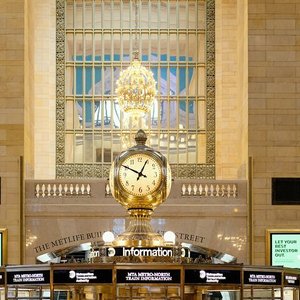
[
  {"x": 140, "y": 174},
  {"x": 140, "y": 177}
]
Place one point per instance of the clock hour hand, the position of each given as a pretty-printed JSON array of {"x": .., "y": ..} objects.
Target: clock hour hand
[
  {"x": 141, "y": 172},
  {"x": 135, "y": 171}
]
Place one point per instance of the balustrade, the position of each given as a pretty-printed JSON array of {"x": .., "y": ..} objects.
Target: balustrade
[
  {"x": 182, "y": 188},
  {"x": 59, "y": 190},
  {"x": 209, "y": 190}
]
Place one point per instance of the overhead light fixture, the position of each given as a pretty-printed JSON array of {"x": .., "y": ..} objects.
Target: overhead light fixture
[
  {"x": 108, "y": 237},
  {"x": 136, "y": 86}
]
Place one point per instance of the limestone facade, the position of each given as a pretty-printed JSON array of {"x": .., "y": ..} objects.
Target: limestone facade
[{"x": 274, "y": 110}]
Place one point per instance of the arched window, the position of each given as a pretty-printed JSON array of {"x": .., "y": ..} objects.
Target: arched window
[{"x": 95, "y": 40}]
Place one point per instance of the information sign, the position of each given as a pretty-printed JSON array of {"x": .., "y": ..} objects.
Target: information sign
[
  {"x": 206, "y": 276},
  {"x": 262, "y": 278},
  {"x": 291, "y": 280},
  {"x": 149, "y": 251},
  {"x": 82, "y": 276},
  {"x": 28, "y": 277},
  {"x": 148, "y": 276}
]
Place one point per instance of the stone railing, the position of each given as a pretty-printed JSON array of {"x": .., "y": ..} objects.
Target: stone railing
[
  {"x": 60, "y": 188},
  {"x": 63, "y": 188},
  {"x": 209, "y": 190}
]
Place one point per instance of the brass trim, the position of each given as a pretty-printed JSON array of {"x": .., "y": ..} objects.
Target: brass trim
[
  {"x": 3, "y": 232},
  {"x": 22, "y": 216},
  {"x": 250, "y": 209}
]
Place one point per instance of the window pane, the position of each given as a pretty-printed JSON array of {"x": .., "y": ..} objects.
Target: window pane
[
  {"x": 98, "y": 148},
  {"x": 97, "y": 114},
  {"x": 69, "y": 148},
  {"x": 79, "y": 47},
  {"x": 89, "y": 53},
  {"x": 69, "y": 15},
  {"x": 191, "y": 112},
  {"x": 70, "y": 47},
  {"x": 78, "y": 14},
  {"x": 107, "y": 145},
  {"x": 69, "y": 81},
  {"x": 69, "y": 115},
  {"x": 201, "y": 15},
  {"x": 88, "y": 14},
  {"x": 98, "y": 46},
  {"x": 88, "y": 114},
  {"x": 88, "y": 147},
  {"x": 78, "y": 148},
  {"x": 88, "y": 81},
  {"x": 201, "y": 149},
  {"x": 182, "y": 114},
  {"x": 79, "y": 115}
]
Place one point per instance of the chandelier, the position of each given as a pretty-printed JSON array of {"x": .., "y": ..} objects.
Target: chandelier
[{"x": 136, "y": 87}]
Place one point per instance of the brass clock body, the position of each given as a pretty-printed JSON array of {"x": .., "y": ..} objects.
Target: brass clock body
[{"x": 140, "y": 177}]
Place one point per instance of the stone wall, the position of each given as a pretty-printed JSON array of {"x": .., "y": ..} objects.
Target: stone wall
[
  {"x": 11, "y": 120},
  {"x": 231, "y": 89},
  {"x": 274, "y": 110},
  {"x": 42, "y": 43}
]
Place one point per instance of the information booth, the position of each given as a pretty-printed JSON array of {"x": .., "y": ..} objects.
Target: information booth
[
  {"x": 150, "y": 281},
  {"x": 2, "y": 284},
  {"x": 28, "y": 282}
]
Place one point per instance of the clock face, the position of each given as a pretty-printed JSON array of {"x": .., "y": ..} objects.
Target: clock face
[{"x": 140, "y": 174}]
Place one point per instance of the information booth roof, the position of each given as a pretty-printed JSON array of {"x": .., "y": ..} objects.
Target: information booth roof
[{"x": 186, "y": 274}]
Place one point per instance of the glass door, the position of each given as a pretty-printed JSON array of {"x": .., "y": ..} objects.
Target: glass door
[
  {"x": 2, "y": 293},
  {"x": 265, "y": 293},
  {"x": 148, "y": 292},
  {"x": 28, "y": 293},
  {"x": 290, "y": 293},
  {"x": 88, "y": 292},
  {"x": 206, "y": 293}
]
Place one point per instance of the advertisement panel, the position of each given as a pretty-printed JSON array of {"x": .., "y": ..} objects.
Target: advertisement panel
[{"x": 283, "y": 248}]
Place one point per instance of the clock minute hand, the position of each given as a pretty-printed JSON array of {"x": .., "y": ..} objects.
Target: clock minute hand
[
  {"x": 135, "y": 171},
  {"x": 141, "y": 172}
]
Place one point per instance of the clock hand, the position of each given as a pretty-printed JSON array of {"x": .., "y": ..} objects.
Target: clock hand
[
  {"x": 141, "y": 172},
  {"x": 135, "y": 171}
]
